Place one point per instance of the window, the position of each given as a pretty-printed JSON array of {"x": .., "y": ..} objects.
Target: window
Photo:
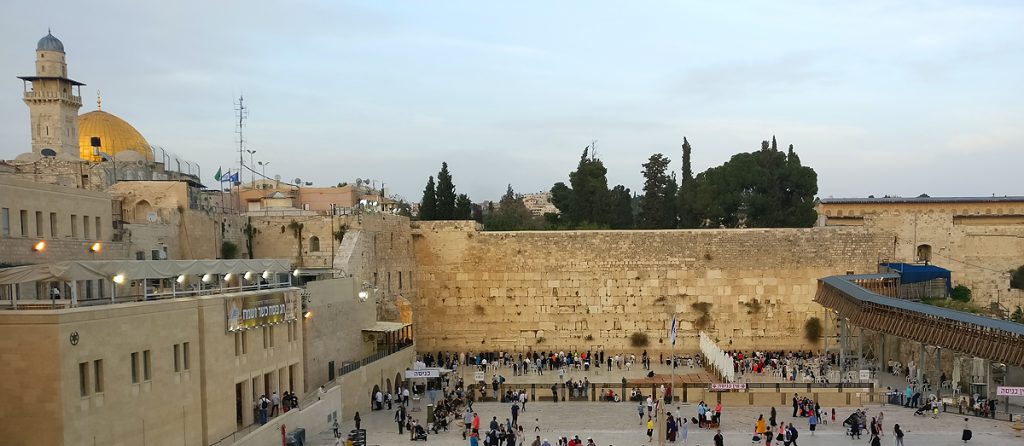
[
  {"x": 314, "y": 244},
  {"x": 271, "y": 336},
  {"x": 184, "y": 356},
  {"x": 389, "y": 281},
  {"x": 53, "y": 224},
  {"x": 85, "y": 226},
  {"x": 135, "y": 367},
  {"x": 99, "y": 233},
  {"x": 97, "y": 373},
  {"x": 177, "y": 357},
  {"x": 39, "y": 224},
  {"x": 399, "y": 280},
  {"x": 924, "y": 253},
  {"x": 5, "y": 214},
  {"x": 266, "y": 343},
  {"x": 146, "y": 372},
  {"x": 74, "y": 226},
  {"x": 245, "y": 342},
  {"x": 238, "y": 344},
  {"x": 83, "y": 378},
  {"x": 23, "y": 214},
  {"x": 291, "y": 336}
]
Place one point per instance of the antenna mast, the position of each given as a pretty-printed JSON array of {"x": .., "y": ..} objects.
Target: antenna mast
[
  {"x": 593, "y": 149},
  {"x": 242, "y": 113}
]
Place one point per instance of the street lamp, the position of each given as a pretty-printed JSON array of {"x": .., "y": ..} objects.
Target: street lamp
[
  {"x": 253, "y": 166},
  {"x": 264, "y": 165}
]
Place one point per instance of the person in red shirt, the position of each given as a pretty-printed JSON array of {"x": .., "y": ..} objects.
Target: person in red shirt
[{"x": 476, "y": 422}]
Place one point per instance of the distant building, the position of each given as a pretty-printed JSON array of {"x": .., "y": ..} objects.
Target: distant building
[{"x": 539, "y": 203}]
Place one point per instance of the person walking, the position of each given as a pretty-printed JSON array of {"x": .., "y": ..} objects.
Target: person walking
[
  {"x": 898, "y": 433},
  {"x": 515, "y": 414},
  {"x": 400, "y": 419},
  {"x": 967, "y": 431},
  {"x": 796, "y": 405},
  {"x": 719, "y": 440},
  {"x": 468, "y": 420},
  {"x": 760, "y": 426},
  {"x": 640, "y": 411},
  {"x": 771, "y": 418},
  {"x": 650, "y": 429},
  {"x": 812, "y": 421},
  {"x": 357, "y": 420},
  {"x": 685, "y": 428}
]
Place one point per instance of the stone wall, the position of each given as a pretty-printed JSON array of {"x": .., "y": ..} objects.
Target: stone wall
[{"x": 593, "y": 289}]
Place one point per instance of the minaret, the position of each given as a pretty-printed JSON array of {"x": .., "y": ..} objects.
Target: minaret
[{"x": 53, "y": 101}]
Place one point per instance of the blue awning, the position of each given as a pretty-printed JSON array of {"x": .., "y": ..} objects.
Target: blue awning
[{"x": 913, "y": 273}]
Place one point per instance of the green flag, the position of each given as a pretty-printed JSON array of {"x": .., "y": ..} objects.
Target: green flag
[{"x": 217, "y": 175}]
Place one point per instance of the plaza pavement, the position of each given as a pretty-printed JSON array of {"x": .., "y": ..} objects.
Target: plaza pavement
[{"x": 617, "y": 424}]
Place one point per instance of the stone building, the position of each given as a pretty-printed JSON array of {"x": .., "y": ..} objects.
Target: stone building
[
  {"x": 979, "y": 239},
  {"x": 161, "y": 372}
]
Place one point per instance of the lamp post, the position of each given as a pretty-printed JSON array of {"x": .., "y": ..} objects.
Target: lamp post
[
  {"x": 253, "y": 165},
  {"x": 264, "y": 165}
]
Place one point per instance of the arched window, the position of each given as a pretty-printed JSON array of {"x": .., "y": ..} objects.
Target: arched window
[
  {"x": 924, "y": 253},
  {"x": 144, "y": 213},
  {"x": 314, "y": 244}
]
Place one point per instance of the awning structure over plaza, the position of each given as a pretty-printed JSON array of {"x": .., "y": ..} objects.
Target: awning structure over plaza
[{"x": 136, "y": 269}]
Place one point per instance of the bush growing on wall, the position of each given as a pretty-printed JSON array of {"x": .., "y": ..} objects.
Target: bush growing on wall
[
  {"x": 638, "y": 339},
  {"x": 813, "y": 330}
]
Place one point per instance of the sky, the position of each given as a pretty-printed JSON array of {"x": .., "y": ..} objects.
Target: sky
[{"x": 879, "y": 97}]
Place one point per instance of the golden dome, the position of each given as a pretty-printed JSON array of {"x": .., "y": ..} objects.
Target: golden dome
[{"x": 116, "y": 136}]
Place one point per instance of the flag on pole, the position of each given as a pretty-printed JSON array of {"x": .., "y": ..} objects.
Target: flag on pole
[
  {"x": 672, "y": 335},
  {"x": 234, "y": 178},
  {"x": 218, "y": 175}
]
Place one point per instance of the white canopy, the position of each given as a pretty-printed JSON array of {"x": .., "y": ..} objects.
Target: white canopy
[{"x": 136, "y": 269}]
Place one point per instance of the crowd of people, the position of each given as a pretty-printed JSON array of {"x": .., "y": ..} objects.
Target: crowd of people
[
  {"x": 790, "y": 366},
  {"x": 523, "y": 363}
]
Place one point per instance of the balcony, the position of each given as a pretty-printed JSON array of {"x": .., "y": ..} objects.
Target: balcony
[{"x": 52, "y": 96}]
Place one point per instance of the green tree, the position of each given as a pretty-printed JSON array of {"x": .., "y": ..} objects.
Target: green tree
[
  {"x": 684, "y": 207},
  {"x": 511, "y": 214},
  {"x": 622, "y": 208},
  {"x": 445, "y": 194},
  {"x": 585, "y": 201},
  {"x": 766, "y": 188},
  {"x": 1018, "y": 315},
  {"x": 658, "y": 204},
  {"x": 428, "y": 205},
  {"x": 961, "y": 293},
  {"x": 463, "y": 208}
]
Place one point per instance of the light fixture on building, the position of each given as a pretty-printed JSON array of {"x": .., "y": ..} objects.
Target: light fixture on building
[
  {"x": 207, "y": 278},
  {"x": 118, "y": 279},
  {"x": 307, "y": 315},
  {"x": 181, "y": 279},
  {"x": 266, "y": 275},
  {"x": 248, "y": 275},
  {"x": 363, "y": 295},
  {"x": 40, "y": 246},
  {"x": 96, "y": 247},
  {"x": 296, "y": 273},
  {"x": 227, "y": 277}
]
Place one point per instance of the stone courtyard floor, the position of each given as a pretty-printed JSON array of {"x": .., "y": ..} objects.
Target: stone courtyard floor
[{"x": 618, "y": 424}]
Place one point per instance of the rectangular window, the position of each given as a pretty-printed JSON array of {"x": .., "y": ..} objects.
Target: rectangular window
[
  {"x": 83, "y": 378},
  {"x": 97, "y": 373},
  {"x": 146, "y": 369},
  {"x": 265, "y": 342},
  {"x": 99, "y": 233},
  {"x": 184, "y": 356},
  {"x": 399, "y": 280},
  {"x": 271, "y": 336},
  {"x": 177, "y": 358},
  {"x": 53, "y": 225},
  {"x": 23, "y": 218},
  {"x": 5, "y": 215},
  {"x": 245, "y": 342},
  {"x": 39, "y": 224},
  {"x": 74, "y": 226},
  {"x": 85, "y": 226},
  {"x": 135, "y": 367},
  {"x": 238, "y": 344}
]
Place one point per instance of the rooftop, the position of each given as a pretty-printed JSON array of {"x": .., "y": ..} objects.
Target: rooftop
[{"x": 922, "y": 199}]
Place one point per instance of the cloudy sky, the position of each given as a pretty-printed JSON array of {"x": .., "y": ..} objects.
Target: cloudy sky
[{"x": 884, "y": 97}]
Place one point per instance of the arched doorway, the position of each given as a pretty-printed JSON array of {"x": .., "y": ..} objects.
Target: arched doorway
[
  {"x": 924, "y": 253},
  {"x": 142, "y": 211},
  {"x": 387, "y": 385},
  {"x": 373, "y": 400}
]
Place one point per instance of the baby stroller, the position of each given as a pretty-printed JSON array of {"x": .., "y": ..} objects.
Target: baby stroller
[
  {"x": 420, "y": 434},
  {"x": 853, "y": 426}
]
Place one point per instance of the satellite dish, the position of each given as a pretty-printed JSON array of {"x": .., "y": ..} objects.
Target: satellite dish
[
  {"x": 277, "y": 177},
  {"x": 151, "y": 217},
  {"x": 298, "y": 181},
  {"x": 359, "y": 182}
]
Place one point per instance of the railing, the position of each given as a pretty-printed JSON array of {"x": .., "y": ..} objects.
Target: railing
[
  {"x": 158, "y": 294},
  {"x": 52, "y": 95},
  {"x": 381, "y": 354}
]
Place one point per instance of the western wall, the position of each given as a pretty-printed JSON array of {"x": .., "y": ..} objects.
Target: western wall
[{"x": 562, "y": 290}]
